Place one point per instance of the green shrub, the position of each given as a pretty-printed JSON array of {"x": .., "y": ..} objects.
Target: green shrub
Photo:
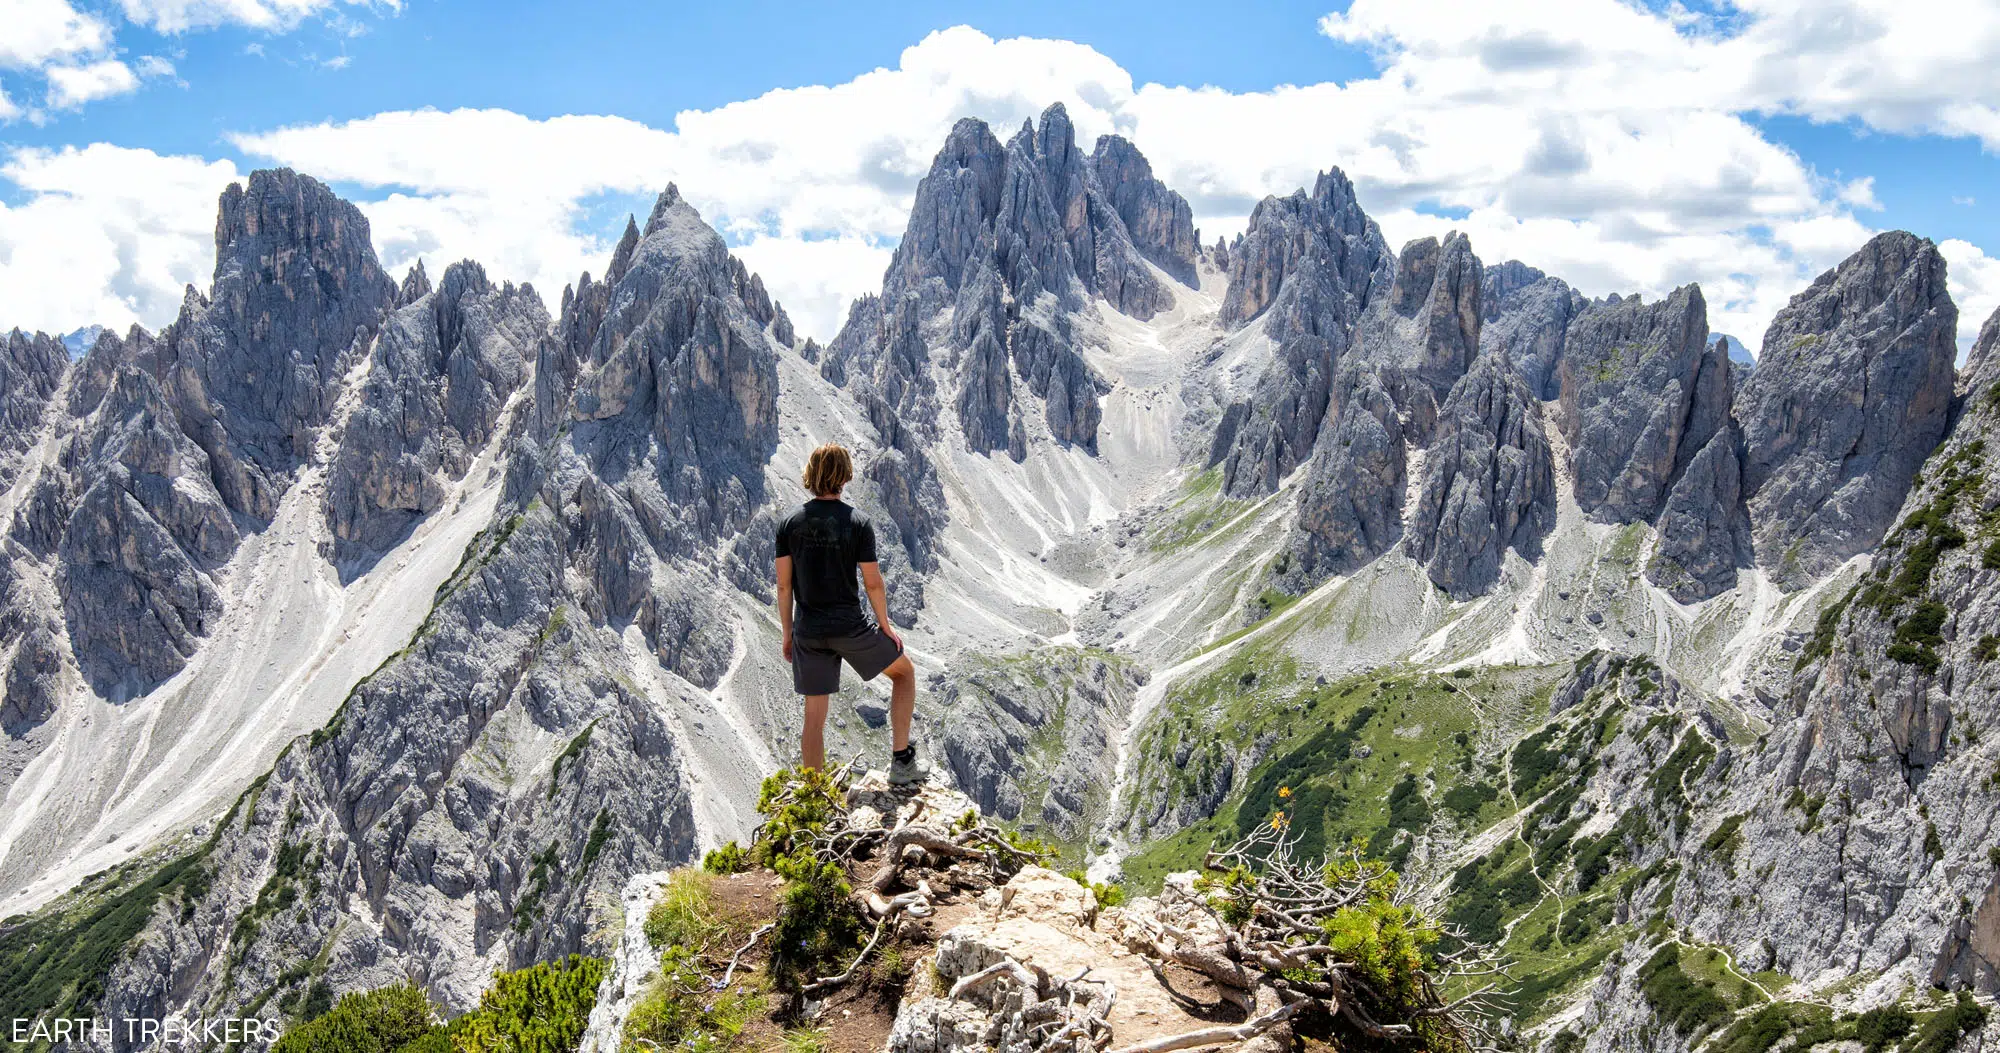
[
  {"x": 728, "y": 859},
  {"x": 1688, "y": 1005},
  {"x": 817, "y": 924},
  {"x": 380, "y": 1021},
  {"x": 55, "y": 962},
  {"x": 1944, "y": 1028},
  {"x": 540, "y": 1009}
]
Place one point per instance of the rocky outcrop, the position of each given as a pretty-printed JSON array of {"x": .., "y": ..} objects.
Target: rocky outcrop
[
  {"x": 1351, "y": 509},
  {"x": 1525, "y": 314},
  {"x": 1853, "y": 390},
  {"x": 1489, "y": 481},
  {"x": 1978, "y": 360},
  {"x": 659, "y": 447},
  {"x": 1159, "y": 222},
  {"x": 1005, "y": 250},
  {"x": 131, "y": 524},
  {"x": 1307, "y": 263},
  {"x": 439, "y": 376},
  {"x": 1031, "y": 739},
  {"x": 1303, "y": 270},
  {"x": 1704, "y": 528},
  {"x": 1421, "y": 334},
  {"x": 252, "y": 365},
  {"x": 31, "y": 368},
  {"x": 1640, "y": 395},
  {"x": 403, "y": 838}
]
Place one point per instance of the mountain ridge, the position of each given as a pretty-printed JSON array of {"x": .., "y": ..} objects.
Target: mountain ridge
[{"x": 1125, "y": 471}]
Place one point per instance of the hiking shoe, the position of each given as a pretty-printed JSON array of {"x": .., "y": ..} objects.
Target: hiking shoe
[{"x": 906, "y": 770}]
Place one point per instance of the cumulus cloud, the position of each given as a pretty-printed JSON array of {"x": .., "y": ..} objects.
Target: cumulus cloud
[
  {"x": 72, "y": 86},
  {"x": 1975, "y": 286},
  {"x": 44, "y": 31},
  {"x": 1610, "y": 144},
  {"x": 176, "y": 16},
  {"x": 105, "y": 234}
]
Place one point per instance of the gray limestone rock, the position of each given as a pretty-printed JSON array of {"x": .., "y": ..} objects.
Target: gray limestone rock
[
  {"x": 1852, "y": 392},
  {"x": 1704, "y": 528},
  {"x": 297, "y": 289},
  {"x": 1979, "y": 361},
  {"x": 671, "y": 420},
  {"x": 1307, "y": 263},
  {"x": 1351, "y": 510},
  {"x": 1489, "y": 481},
  {"x": 1640, "y": 395},
  {"x": 1159, "y": 222},
  {"x": 31, "y": 368},
  {"x": 1011, "y": 243},
  {"x": 1526, "y": 314},
  {"x": 1421, "y": 333},
  {"x": 136, "y": 528},
  {"x": 1304, "y": 269},
  {"x": 1261, "y": 439},
  {"x": 991, "y": 713},
  {"x": 439, "y": 375}
]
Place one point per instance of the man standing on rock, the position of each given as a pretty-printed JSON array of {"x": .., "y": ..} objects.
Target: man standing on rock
[{"x": 820, "y": 548}]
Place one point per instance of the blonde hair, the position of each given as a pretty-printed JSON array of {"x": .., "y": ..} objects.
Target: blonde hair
[{"x": 828, "y": 470}]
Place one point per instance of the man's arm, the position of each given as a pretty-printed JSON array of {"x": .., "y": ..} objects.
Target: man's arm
[
  {"x": 785, "y": 604},
  {"x": 878, "y": 598}
]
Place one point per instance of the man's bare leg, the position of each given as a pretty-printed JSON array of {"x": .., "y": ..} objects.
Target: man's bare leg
[
  {"x": 812, "y": 744},
  {"x": 902, "y": 701}
]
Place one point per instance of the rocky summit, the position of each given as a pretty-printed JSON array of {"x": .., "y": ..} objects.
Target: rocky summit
[{"x": 1301, "y": 622}]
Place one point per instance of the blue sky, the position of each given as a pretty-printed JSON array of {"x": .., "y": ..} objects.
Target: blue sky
[{"x": 1744, "y": 147}]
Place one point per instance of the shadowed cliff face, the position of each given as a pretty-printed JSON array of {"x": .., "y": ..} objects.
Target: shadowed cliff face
[
  {"x": 441, "y": 373},
  {"x": 1303, "y": 270},
  {"x": 1489, "y": 481},
  {"x": 1639, "y": 396},
  {"x": 1852, "y": 393}
]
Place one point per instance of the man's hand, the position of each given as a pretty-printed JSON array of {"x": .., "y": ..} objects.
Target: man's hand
[
  {"x": 891, "y": 634},
  {"x": 785, "y": 647}
]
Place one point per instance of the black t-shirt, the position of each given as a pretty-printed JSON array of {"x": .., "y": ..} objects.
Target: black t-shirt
[{"x": 826, "y": 540}]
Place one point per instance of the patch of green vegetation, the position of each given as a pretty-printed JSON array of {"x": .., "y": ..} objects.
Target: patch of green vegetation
[
  {"x": 529, "y": 906},
  {"x": 1108, "y": 895},
  {"x": 53, "y": 964},
  {"x": 1824, "y": 631},
  {"x": 680, "y": 1009},
  {"x": 385, "y": 1020},
  {"x": 1803, "y": 1026},
  {"x": 600, "y": 835},
  {"x": 1725, "y": 839},
  {"x": 1199, "y": 516},
  {"x": 540, "y": 1009},
  {"x": 569, "y": 753},
  {"x": 1678, "y": 1000},
  {"x": 1919, "y": 635},
  {"x": 730, "y": 858}
]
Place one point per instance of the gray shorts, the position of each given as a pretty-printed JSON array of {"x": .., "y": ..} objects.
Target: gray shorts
[{"x": 816, "y": 659}]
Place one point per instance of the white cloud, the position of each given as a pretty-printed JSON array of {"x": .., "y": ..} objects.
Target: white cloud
[
  {"x": 1975, "y": 286},
  {"x": 176, "y": 16},
  {"x": 8, "y": 108},
  {"x": 105, "y": 235},
  {"x": 42, "y": 31},
  {"x": 336, "y": 62},
  {"x": 72, "y": 86},
  {"x": 154, "y": 66},
  {"x": 816, "y": 277}
]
